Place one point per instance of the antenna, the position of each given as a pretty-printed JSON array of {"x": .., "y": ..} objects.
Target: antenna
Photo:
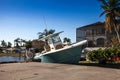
[{"x": 45, "y": 21}]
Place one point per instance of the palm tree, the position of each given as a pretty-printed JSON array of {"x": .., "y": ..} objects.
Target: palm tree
[
  {"x": 3, "y": 43},
  {"x": 9, "y": 44},
  {"x": 67, "y": 40},
  {"x": 45, "y": 33},
  {"x": 16, "y": 42},
  {"x": 112, "y": 13},
  {"x": 23, "y": 42},
  {"x": 28, "y": 45}
]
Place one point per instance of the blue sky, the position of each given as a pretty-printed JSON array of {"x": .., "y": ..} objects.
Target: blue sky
[{"x": 25, "y": 18}]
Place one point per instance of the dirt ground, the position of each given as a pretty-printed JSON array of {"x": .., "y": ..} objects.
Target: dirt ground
[{"x": 52, "y": 71}]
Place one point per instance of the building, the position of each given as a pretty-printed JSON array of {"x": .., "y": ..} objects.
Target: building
[
  {"x": 94, "y": 33},
  {"x": 38, "y": 44}
]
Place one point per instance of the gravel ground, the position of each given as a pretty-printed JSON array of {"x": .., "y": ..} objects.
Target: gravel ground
[{"x": 51, "y": 71}]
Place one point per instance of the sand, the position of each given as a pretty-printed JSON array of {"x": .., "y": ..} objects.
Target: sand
[{"x": 51, "y": 71}]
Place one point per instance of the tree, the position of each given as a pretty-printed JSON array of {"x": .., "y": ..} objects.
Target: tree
[
  {"x": 45, "y": 33},
  {"x": 67, "y": 40},
  {"x": 3, "y": 43},
  {"x": 17, "y": 42},
  {"x": 28, "y": 44},
  {"x": 9, "y": 44},
  {"x": 112, "y": 14},
  {"x": 23, "y": 42}
]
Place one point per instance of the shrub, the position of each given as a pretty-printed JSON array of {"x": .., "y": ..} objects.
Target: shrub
[
  {"x": 96, "y": 55},
  {"x": 101, "y": 55},
  {"x": 1, "y": 50},
  {"x": 91, "y": 56},
  {"x": 118, "y": 52}
]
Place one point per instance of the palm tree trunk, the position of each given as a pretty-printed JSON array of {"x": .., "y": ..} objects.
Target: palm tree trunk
[
  {"x": 14, "y": 43},
  {"x": 26, "y": 55},
  {"x": 118, "y": 36}
]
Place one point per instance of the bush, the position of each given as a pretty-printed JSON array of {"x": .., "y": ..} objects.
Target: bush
[
  {"x": 96, "y": 55},
  {"x": 118, "y": 52},
  {"x": 1, "y": 50},
  {"x": 103, "y": 55}
]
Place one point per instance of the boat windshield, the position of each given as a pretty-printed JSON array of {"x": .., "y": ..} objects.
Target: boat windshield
[{"x": 56, "y": 39}]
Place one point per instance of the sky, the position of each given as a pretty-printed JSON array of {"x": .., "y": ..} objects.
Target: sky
[{"x": 25, "y": 18}]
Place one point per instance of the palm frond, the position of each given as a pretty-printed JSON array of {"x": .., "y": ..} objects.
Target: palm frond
[
  {"x": 104, "y": 2},
  {"x": 118, "y": 4},
  {"x": 39, "y": 33},
  {"x": 104, "y": 7},
  {"x": 41, "y": 36},
  {"x": 113, "y": 3},
  {"x": 51, "y": 31},
  {"x": 117, "y": 11},
  {"x": 45, "y": 33},
  {"x": 102, "y": 13}
]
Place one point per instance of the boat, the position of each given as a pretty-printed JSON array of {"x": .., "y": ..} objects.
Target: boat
[{"x": 56, "y": 52}]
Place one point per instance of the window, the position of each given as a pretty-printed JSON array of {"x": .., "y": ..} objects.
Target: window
[
  {"x": 56, "y": 39},
  {"x": 100, "y": 42},
  {"x": 101, "y": 31},
  {"x": 88, "y": 32}
]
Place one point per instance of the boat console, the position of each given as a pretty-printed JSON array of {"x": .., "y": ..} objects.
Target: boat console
[{"x": 54, "y": 42}]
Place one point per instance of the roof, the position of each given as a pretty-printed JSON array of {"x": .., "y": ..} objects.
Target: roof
[{"x": 92, "y": 25}]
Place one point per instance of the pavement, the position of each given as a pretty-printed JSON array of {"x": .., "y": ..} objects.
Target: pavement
[{"x": 53, "y": 71}]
